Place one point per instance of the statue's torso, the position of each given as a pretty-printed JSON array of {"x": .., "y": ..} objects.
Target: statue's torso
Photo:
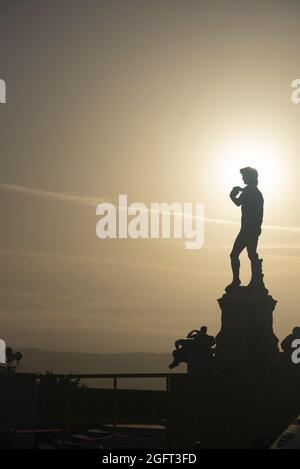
[{"x": 252, "y": 209}]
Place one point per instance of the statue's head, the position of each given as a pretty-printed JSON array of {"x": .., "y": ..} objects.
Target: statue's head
[
  {"x": 203, "y": 329},
  {"x": 250, "y": 176}
]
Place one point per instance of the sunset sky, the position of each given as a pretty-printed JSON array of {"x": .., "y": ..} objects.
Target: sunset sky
[{"x": 163, "y": 100}]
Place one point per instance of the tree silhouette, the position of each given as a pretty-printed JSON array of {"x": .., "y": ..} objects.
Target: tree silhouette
[{"x": 12, "y": 361}]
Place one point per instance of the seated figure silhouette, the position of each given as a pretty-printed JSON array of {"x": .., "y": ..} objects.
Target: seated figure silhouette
[
  {"x": 286, "y": 344},
  {"x": 251, "y": 201},
  {"x": 196, "y": 348}
]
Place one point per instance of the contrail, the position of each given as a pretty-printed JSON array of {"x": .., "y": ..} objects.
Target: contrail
[
  {"x": 91, "y": 201},
  {"x": 94, "y": 201}
]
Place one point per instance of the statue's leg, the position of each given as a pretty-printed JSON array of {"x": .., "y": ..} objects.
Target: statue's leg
[
  {"x": 238, "y": 247},
  {"x": 177, "y": 355},
  {"x": 256, "y": 269}
]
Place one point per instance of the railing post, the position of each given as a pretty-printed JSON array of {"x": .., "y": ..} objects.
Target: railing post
[
  {"x": 68, "y": 414},
  {"x": 168, "y": 411},
  {"x": 115, "y": 410}
]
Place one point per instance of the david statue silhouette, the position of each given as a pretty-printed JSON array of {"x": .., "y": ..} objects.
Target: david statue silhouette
[{"x": 252, "y": 204}]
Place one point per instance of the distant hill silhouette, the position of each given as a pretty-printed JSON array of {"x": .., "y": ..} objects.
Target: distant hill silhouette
[{"x": 39, "y": 361}]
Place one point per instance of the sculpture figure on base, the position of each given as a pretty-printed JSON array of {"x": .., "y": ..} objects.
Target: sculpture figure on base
[{"x": 197, "y": 348}]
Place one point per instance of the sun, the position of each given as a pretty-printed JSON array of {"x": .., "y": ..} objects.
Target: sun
[{"x": 259, "y": 154}]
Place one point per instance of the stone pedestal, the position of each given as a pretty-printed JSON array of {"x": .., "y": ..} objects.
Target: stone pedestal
[{"x": 246, "y": 336}]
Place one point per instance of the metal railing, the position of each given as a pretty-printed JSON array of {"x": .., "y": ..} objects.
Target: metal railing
[{"x": 115, "y": 378}]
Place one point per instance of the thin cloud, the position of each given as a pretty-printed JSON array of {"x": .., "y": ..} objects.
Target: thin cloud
[
  {"x": 94, "y": 201},
  {"x": 63, "y": 197}
]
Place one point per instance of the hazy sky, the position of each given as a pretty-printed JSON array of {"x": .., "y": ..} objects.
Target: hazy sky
[{"x": 163, "y": 100}]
